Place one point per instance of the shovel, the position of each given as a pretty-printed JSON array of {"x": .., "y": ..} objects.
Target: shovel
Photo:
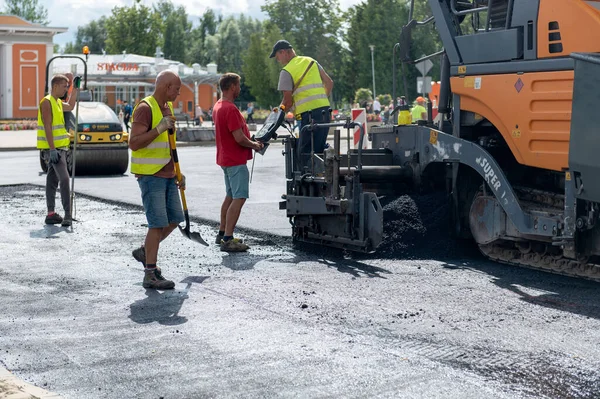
[{"x": 194, "y": 236}]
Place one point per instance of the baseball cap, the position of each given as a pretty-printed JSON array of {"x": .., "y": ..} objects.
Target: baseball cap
[
  {"x": 419, "y": 99},
  {"x": 280, "y": 45}
]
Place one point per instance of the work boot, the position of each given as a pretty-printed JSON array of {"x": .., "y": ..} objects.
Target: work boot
[
  {"x": 67, "y": 221},
  {"x": 234, "y": 245},
  {"x": 140, "y": 255},
  {"x": 54, "y": 218},
  {"x": 151, "y": 280}
]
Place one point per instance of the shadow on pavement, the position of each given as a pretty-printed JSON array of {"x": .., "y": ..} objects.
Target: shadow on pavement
[
  {"x": 49, "y": 231},
  {"x": 163, "y": 307},
  {"x": 563, "y": 293}
]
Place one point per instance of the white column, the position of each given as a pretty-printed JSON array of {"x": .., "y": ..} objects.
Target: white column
[
  {"x": 49, "y": 55},
  {"x": 6, "y": 76}
]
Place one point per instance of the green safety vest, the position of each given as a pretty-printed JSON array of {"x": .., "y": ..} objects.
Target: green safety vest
[
  {"x": 310, "y": 94},
  {"x": 59, "y": 132},
  {"x": 416, "y": 112},
  {"x": 152, "y": 158}
]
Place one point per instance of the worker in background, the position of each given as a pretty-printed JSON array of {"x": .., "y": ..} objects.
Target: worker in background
[
  {"x": 127, "y": 112},
  {"x": 234, "y": 149},
  {"x": 53, "y": 141},
  {"x": 419, "y": 112},
  {"x": 153, "y": 166},
  {"x": 305, "y": 86}
]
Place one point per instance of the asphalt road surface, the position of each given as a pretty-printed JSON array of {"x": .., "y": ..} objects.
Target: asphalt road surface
[{"x": 425, "y": 317}]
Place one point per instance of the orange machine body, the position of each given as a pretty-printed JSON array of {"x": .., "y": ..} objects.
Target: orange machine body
[{"x": 532, "y": 110}]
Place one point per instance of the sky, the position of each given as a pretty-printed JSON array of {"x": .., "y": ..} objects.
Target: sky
[{"x": 73, "y": 13}]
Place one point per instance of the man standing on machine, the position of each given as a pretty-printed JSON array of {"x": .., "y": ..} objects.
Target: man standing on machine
[
  {"x": 234, "y": 149},
  {"x": 306, "y": 86},
  {"x": 53, "y": 141},
  {"x": 153, "y": 166}
]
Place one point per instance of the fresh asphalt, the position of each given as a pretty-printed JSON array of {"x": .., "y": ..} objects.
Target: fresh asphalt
[{"x": 279, "y": 321}]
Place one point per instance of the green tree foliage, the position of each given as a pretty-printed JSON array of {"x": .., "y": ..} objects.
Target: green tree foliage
[
  {"x": 363, "y": 96},
  {"x": 377, "y": 23},
  {"x": 260, "y": 72},
  {"x": 92, "y": 35},
  {"x": 29, "y": 10},
  {"x": 176, "y": 30},
  {"x": 207, "y": 27},
  {"x": 384, "y": 99},
  {"x": 135, "y": 29}
]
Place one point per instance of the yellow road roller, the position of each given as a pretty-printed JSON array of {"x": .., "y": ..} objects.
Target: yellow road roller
[{"x": 102, "y": 145}]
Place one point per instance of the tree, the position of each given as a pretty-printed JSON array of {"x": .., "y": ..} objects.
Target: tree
[
  {"x": 92, "y": 35},
  {"x": 175, "y": 30},
  {"x": 208, "y": 26},
  {"x": 29, "y": 10},
  {"x": 262, "y": 73},
  {"x": 136, "y": 29},
  {"x": 378, "y": 23}
]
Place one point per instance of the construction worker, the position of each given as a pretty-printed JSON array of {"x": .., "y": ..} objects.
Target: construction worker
[
  {"x": 53, "y": 141},
  {"x": 419, "y": 112},
  {"x": 153, "y": 166},
  {"x": 234, "y": 149},
  {"x": 305, "y": 86}
]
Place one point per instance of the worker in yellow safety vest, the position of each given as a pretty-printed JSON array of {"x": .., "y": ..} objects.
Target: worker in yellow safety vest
[
  {"x": 53, "y": 141},
  {"x": 419, "y": 112},
  {"x": 153, "y": 165},
  {"x": 306, "y": 87}
]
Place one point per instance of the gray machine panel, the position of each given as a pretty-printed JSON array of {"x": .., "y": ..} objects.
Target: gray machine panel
[
  {"x": 493, "y": 46},
  {"x": 584, "y": 146},
  {"x": 525, "y": 14}
]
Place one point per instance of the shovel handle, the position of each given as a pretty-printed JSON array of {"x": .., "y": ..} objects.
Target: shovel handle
[{"x": 176, "y": 162}]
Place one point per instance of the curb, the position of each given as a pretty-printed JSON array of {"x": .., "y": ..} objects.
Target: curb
[{"x": 13, "y": 388}]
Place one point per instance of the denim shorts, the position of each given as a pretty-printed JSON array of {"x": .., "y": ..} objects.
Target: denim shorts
[
  {"x": 161, "y": 201},
  {"x": 237, "y": 181}
]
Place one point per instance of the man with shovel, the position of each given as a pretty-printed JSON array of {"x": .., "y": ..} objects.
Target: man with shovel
[
  {"x": 53, "y": 140},
  {"x": 153, "y": 165}
]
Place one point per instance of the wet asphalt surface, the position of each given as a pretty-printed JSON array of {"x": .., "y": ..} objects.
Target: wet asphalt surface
[{"x": 425, "y": 317}]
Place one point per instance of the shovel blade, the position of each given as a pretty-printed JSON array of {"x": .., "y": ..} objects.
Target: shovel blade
[{"x": 194, "y": 236}]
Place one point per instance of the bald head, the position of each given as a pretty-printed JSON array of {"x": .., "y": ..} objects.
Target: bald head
[{"x": 167, "y": 85}]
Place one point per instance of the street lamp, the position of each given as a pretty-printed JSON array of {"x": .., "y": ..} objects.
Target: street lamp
[{"x": 372, "y": 47}]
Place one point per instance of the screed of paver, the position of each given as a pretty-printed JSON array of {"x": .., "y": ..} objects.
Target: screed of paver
[{"x": 277, "y": 321}]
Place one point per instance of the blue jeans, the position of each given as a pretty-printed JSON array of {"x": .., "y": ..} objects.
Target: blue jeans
[
  {"x": 160, "y": 197},
  {"x": 237, "y": 181}
]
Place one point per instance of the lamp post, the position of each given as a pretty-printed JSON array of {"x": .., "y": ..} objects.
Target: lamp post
[{"x": 372, "y": 47}]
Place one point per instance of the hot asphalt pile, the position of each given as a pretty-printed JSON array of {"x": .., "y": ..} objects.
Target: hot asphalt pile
[{"x": 417, "y": 227}]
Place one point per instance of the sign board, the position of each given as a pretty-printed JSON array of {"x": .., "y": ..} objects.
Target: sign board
[
  {"x": 359, "y": 115},
  {"x": 424, "y": 85},
  {"x": 424, "y": 67}
]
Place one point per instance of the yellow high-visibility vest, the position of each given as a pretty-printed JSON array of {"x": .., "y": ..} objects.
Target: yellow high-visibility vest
[
  {"x": 152, "y": 158},
  {"x": 416, "y": 113},
  {"x": 59, "y": 131},
  {"x": 310, "y": 94}
]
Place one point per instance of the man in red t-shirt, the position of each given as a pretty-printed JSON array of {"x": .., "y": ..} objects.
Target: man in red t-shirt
[{"x": 234, "y": 149}]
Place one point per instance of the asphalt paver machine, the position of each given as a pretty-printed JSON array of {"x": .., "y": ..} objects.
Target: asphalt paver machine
[
  {"x": 102, "y": 145},
  {"x": 516, "y": 148}
]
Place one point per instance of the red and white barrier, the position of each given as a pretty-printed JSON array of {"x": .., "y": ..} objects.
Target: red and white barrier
[{"x": 359, "y": 115}]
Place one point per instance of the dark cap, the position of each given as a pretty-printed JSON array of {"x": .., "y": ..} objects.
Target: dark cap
[{"x": 280, "y": 45}]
